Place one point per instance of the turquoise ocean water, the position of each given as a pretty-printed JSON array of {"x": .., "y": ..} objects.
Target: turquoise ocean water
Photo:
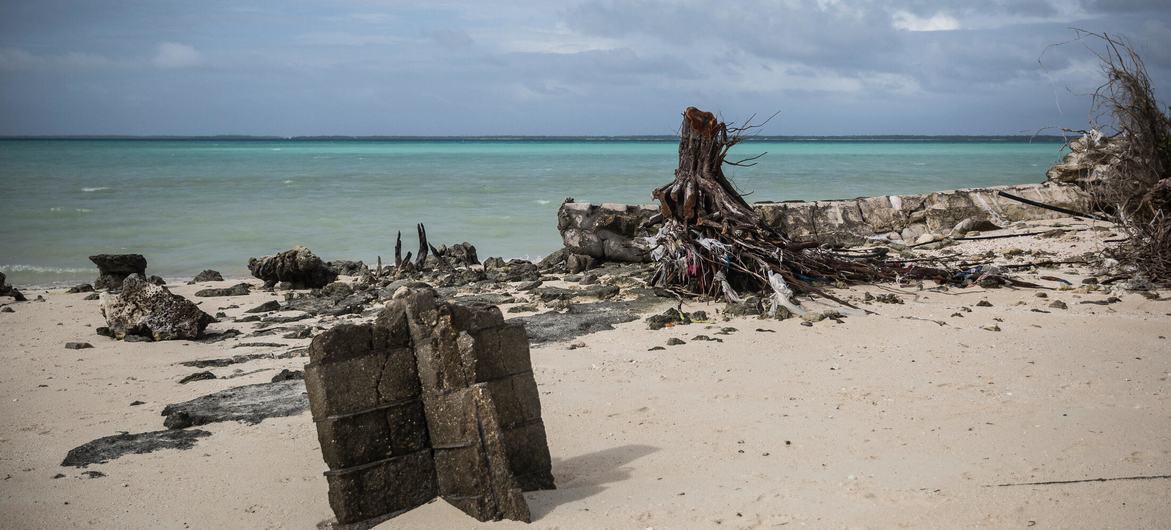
[{"x": 188, "y": 205}]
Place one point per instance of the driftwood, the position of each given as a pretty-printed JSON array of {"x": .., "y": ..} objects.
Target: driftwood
[
  {"x": 1058, "y": 209},
  {"x": 428, "y": 256},
  {"x": 422, "y": 257},
  {"x": 1080, "y": 481},
  {"x": 712, "y": 243}
]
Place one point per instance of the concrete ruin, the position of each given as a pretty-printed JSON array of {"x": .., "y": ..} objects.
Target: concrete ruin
[
  {"x": 435, "y": 398},
  {"x": 608, "y": 232}
]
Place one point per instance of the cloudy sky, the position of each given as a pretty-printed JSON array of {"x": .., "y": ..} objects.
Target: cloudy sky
[{"x": 604, "y": 67}]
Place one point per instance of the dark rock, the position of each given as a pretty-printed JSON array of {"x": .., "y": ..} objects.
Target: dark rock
[
  {"x": 656, "y": 348},
  {"x": 39, "y": 298},
  {"x": 462, "y": 253},
  {"x": 246, "y": 404},
  {"x": 240, "y": 289},
  {"x": 104, "y": 331},
  {"x": 674, "y": 341},
  {"x": 576, "y": 263},
  {"x": 228, "y": 361},
  {"x": 7, "y": 309},
  {"x": 92, "y": 296},
  {"x": 259, "y": 345},
  {"x": 249, "y": 318},
  {"x": 588, "y": 279},
  {"x": 577, "y": 320},
  {"x": 92, "y": 474},
  {"x": 284, "y": 319},
  {"x": 78, "y": 345},
  {"x": 493, "y": 263},
  {"x": 552, "y": 260},
  {"x": 137, "y": 403},
  {"x": 1090, "y": 281},
  {"x": 114, "y": 268},
  {"x": 750, "y": 306},
  {"x": 347, "y": 267},
  {"x": 669, "y": 317},
  {"x": 288, "y": 375},
  {"x": 197, "y": 376},
  {"x": 1108, "y": 301},
  {"x": 486, "y": 298},
  {"x": 983, "y": 303},
  {"x": 529, "y": 286},
  {"x": 299, "y": 266},
  {"x": 271, "y": 305},
  {"x": 891, "y": 298},
  {"x": 208, "y": 276},
  {"x": 303, "y": 333},
  {"x": 152, "y": 311},
  {"x": 322, "y": 305},
  {"x": 213, "y": 337},
  {"x": 137, "y": 338},
  {"x": 516, "y": 270},
  {"x": 113, "y": 447},
  {"x": 523, "y": 308},
  {"x": 81, "y": 288},
  {"x": 1058, "y": 304},
  {"x": 157, "y": 280},
  {"x": 546, "y": 294},
  {"x": 8, "y": 290},
  {"x": 337, "y": 290}
]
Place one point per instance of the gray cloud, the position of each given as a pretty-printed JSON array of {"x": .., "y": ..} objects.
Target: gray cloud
[{"x": 594, "y": 67}]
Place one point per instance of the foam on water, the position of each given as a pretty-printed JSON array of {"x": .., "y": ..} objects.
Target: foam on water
[{"x": 191, "y": 205}]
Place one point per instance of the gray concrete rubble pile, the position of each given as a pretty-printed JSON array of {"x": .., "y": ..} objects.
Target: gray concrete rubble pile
[{"x": 434, "y": 398}]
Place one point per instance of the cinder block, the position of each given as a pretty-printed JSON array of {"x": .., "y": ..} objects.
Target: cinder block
[
  {"x": 378, "y": 434},
  {"x": 359, "y": 383},
  {"x": 480, "y": 468},
  {"x": 392, "y": 327},
  {"x": 447, "y": 422},
  {"x": 527, "y": 450},
  {"x": 514, "y": 349},
  {"x": 341, "y": 342},
  {"x": 472, "y": 317},
  {"x": 378, "y": 488}
]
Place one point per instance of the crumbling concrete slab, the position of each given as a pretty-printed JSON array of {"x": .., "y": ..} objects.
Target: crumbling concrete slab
[{"x": 609, "y": 232}]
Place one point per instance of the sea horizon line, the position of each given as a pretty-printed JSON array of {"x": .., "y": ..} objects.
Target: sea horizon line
[{"x": 1013, "y": 138}]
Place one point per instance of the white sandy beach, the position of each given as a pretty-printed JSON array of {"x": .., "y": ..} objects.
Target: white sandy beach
[{"x": 883, "y": 420}]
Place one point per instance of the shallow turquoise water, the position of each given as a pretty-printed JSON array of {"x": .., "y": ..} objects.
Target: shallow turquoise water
[{"x": 195, "y": 204}]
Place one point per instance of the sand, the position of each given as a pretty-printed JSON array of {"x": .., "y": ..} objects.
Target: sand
[{"x": 883, "y": 420}]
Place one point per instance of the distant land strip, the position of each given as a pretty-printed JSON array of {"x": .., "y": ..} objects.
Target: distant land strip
[{"x": 634, "y": 138}]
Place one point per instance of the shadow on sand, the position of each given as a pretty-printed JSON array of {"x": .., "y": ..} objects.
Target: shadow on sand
[{"x": 585, "y": 475}]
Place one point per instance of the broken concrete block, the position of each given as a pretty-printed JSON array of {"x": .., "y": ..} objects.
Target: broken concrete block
[
  {"x": 381, "y": 487},
  {"x": 471, "y": 462},
  {"x": 386, "y": 432},
  {"x": 451, "y": 356},
  {"x": 433, "y": 398},
  {"x": 357, "y": 384}
]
